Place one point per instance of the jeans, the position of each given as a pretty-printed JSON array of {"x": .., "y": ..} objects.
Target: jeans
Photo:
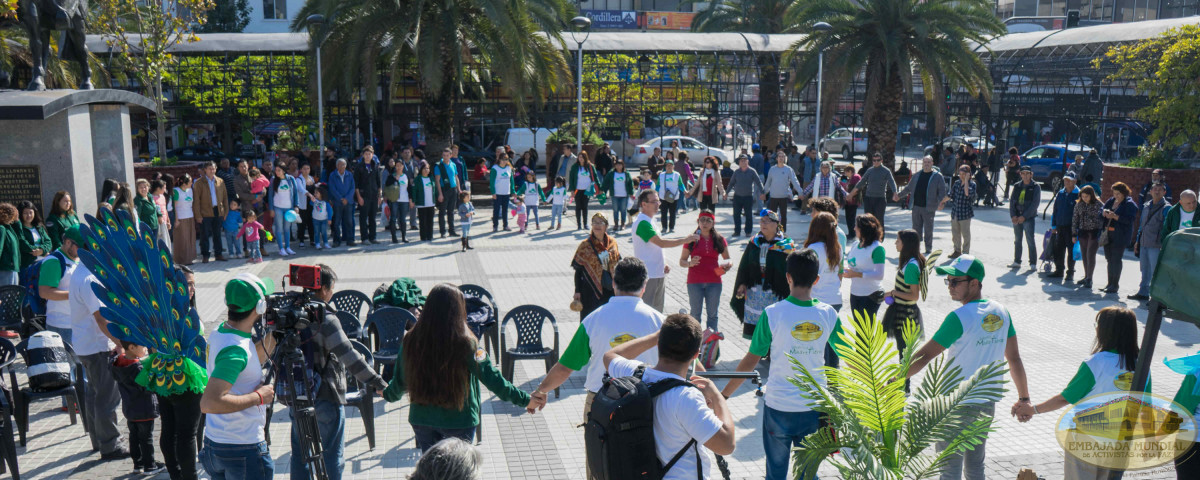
[
  {"x": 343, "y": 222},
  {"x": 1148, "y": 257},
  {"x": 141, "y": 443},
  {"x": 960, "y": 234},
  {"x": 1062, "y": 249},
  {"x": 780, "y": 206},
  {"x": 366, "y": 219},
  {"x": 743, "y": 208},
  {"x": 226, "y": 461},
  {"x": 581, "y": 208},
  {"x": 781, "y": 431},
  {"x": 922, "y": 221},
  {"x": 446, "y": 210},
  {"x": 500, "y": 211},
  {"x": 9, "y": 278},
  {"x": 398, "y": 211},
  {"x": 1114, "y": 253},
  {"x": 620, "y": 207},
  {"x": 210, "y": 228},
  {"x": 283, "y": 234},
  {"x": 708, "y": 296},
  {"x": 235, "y": 244},
  {"x": 668, "y": 211},
  {"x": 971, "y": 461},
  {"x": 876, "y": 206},
  {"x": 427, "y": 437},
  {"x": 331, "y": 423},
  {"x": 180, "y": 424},
  {"x": 320, "y": 232},
  {"x": 305, "y": 229},
  {"x": 531, "y": 211},
  {"x": 102, "y": 401},
  {"x": 556, "y": 212},
  {"x": 1025, "y": 229}
]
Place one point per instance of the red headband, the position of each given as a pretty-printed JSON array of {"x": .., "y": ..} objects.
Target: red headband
[{"x": 709, "y": 215}]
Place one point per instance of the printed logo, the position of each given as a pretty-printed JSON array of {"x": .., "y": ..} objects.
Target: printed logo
[
  {"x": 1124, "y": 381},
  {"x": 1126, "y": 430},
  {"x": 806, "y": 332},
  {"x": 619, "y": 339},
  {"x": 992, "y": 322},
  {"x": 480, "y": 355}
]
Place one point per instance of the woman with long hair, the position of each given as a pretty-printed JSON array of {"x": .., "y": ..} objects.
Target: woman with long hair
[
  {"x": 1120, "y": 212},
  {"x": 762, "y": 273},
  {"x": 503, "y": 183},
  {"x": 184, "y": 235},
  {"x": 440, "y": 365},
  {"x": 582, "y": 180},
  {"x": 864, "y": 267},
  {"x": 158, "y": 193},
  {"x": 708, "y": 186},
  {"x": 910, "y": 287},
  {"x": 823, "y": 239},
  {"x": 850, "y": 179},
  {"x": 595, "y": 259},
  {"x": 1086, "y": 221},
  {"x": 1109, "y": 370},
  {"x": 1011, "y": 170},
  {"x": 62, "y": 216},
  {"x": 143, "y": 202},
  {"x": 620, "y": 186},
  {"x": 395, "y": 193},
  {"x": 422, "y": 193},
  {"x": 703, "y": 258},
  {"x": 283, "y": 199},
  {"x": 31, "y": 234},
  {"x": 10, "y": 250},
  {"x": 124, "y": 200}
]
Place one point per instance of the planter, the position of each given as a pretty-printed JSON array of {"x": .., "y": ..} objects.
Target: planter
[
  {"x": 147, "y": 170},
  {"x": 1178, "y": 179}
]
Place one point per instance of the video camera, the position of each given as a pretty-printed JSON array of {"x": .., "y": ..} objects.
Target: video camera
[{"x": 296, "y": 310}]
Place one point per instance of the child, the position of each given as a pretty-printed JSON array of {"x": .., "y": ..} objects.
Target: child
[
  {"x": 533, "y": 195},
  {"x": 466, "y": 212},
  {"x": 644, "y": 183},
  {"x": 558, "y": 200},
  {"x": 250, "y": 230},
  {"x": 518, "y": 210},
  {"x": 321, "y": 221},
  {"x": 233, "y": 221},
  {"x": 139, "y": 407},
  {"x": 258, "y": 187}
]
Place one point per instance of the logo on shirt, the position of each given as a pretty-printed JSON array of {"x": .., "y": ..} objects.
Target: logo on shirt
[
  {"x": 1126, "y": 431},
  {"x": 1123, "y": 381},
  {"x": 992, "y": 322},
  {"x": 480, "y": 355},
  {"x": 619, "y": 339},
  {"x": 806, "y": 332}
]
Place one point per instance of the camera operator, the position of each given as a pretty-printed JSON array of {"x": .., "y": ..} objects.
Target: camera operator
[
  {"x": 334, "y": 355},
  {"x": 236, "y": 398}
]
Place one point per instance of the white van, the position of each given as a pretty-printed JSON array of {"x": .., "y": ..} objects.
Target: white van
[{"x": 523, "y": 139}]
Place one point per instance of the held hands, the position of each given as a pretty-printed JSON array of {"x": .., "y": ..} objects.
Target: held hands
[
  {"x": 1023, "y": 410},
  {"x": 537, "y": 401},
  {"x": 895, "y": 197},
  {"x": 741, "y": 291}
]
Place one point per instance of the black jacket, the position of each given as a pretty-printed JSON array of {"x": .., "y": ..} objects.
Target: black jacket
[
  {"x": 137, "y": 403},
  {"x": 366, "y": 179}
]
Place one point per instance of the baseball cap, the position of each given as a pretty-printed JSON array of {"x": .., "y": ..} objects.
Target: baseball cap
[
  {"x": 75, "y": 235},
  {"x": 246, "y": 290},
  {"x": 964, "y": 266},
  {"x": 1070, "y": 175},
  {"x": 1026, "y": 168}
]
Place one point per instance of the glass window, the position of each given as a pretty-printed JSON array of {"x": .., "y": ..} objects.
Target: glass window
[
  {"x": 275, "y": 9},
  {"x": 1040, "y": 152},
  {"x": 690, "y": 144}
]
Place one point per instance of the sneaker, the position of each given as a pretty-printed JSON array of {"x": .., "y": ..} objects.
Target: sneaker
[
  {"x": 1014, "y": 265},
  {"x": 328, "y": 245},
  {"x": 318, "y": 246},
  {"x": 154, "y": 470},
  {"x": 291, "y": 252},
  {"x": 118, "y": 454},
  {"x": 8, "y": 334},
  {"x": 283, "y": 253}
]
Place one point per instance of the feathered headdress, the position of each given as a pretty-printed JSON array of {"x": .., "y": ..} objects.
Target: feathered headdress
[{"x": 145, "y": 301}]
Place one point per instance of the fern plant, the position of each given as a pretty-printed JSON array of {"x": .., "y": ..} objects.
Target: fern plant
[{"x": 879, "y": 433}]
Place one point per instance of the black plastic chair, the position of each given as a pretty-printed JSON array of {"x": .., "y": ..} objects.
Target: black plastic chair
[
  {"x": 22, "y": 397},
  {"x": 350, "y": 324},
  {"x": 529, "y": 320},
  {"x": 385, "y": 333},
  {"x": 491, "y": 337},
  {"x": 362, "y": 396},
  {"x": 352, "y": 301},
  {"x": 8, "y": 448},
  {"x": 12, "y": 297}
]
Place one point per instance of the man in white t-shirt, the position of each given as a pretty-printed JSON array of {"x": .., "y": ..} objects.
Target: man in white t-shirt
[
  {"x": 978, "y": 333},
  {"x": 648, "y": 246},
  {"x": 682, "y": 414},
  {"x": 93, "y": 344}
]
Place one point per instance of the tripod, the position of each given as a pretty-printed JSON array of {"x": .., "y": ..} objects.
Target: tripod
[{"x": 293, "y": 388}]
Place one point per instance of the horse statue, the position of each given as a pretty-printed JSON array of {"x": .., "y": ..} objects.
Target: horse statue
[{"x": 40, "y": 17}]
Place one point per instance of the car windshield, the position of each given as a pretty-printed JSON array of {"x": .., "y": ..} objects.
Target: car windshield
[{"x": 690, "y": 144}]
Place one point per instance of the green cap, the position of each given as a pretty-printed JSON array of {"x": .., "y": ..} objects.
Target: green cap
[
  {"x": 73, "y": 234},
  {"x": 964, "y": 266},
  {"x": 243, "y": 293}
]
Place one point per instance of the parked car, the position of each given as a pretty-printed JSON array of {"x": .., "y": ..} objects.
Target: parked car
[
  {"x": 695, "y": 149},
  {"x": 1051, "y": 160},
  {"x": 471, "y": 154},
  {"x": 847, "y": 140},
  {"x": 981, "y": 145},
  {"x": 195, "y": 154}
]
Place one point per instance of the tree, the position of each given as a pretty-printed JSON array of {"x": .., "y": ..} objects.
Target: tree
[
  {"x": 1165, "y": 69},
  {"x": 753, "y": 16},
  {"x": 455, "y": 45},
  {"x": 227, "y": 16},
  {"x": 617, "y": 96},
  {"x": 889, "y": 41},
  {"x": 143, "y": 33},
  {"x": 865, "y": 406}
]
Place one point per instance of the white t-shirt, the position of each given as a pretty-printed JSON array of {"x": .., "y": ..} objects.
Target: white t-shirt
[
  {"x": 183, "y": 203},
  {"x": 669, "y": 182},
  {"x": 648, "y": 253},
  {"x": 619, "y": 185},
  {"x": 558, "y": 196},
  {"x": 828, "y": 288},
  {"x": 531, "y": 194},
  {"x": 620, "y": 320},
  {"x": 1186, "y": 218},
  {"x": 58, "y": 312},
  {"x": 1103, "y": 372},
  {"x": 870, "y": 262},
  {"x": 402, "y": 182},
  {"x": 503, "y": 180},
  {"x": 320, "y": 210},
  {"x": 800, "y": 329},
  {"x": 583, "y": 179},
  {"x": 86, "y": 337},
  {"x": 427, "y": 186},
  {"x": 975, "y": 335},
  {"x": 680, "y": 415},
  {"x": 283, "y": 194}
]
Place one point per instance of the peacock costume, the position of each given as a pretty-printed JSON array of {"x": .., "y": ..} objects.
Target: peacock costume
[{"x": 146, "y": 301}]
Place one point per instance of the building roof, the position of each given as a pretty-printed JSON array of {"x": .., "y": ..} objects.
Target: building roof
[
  {"x": 1111, "y": 33},
  {"x": 224, "y": 42}
]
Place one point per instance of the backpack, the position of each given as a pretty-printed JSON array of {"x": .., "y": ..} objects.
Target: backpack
[
  {"x": 48, "y": 365},
  {"x": 710, "y": 347},
  {"x": 619, "y": 433},
  {"x": 30, "y": 277}
]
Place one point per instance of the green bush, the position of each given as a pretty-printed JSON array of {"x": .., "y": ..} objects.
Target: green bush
[
  {"x": 1151, "y": 157},
  {"x": 158, "y": 162},
  {"x": 566, "y": 134}
]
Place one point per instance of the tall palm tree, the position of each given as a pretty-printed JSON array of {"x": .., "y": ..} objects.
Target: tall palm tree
[
  {"x": 456, "y": 46},
  {"x": 888, "y": 41},
  {"x": 752, "y": 16}
]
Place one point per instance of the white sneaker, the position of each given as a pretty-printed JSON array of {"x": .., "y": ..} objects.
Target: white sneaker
[
  {"x": 328, "y": 244},
  {"x": 318, "y": 246},
  {"x": 283, "y": 253},
  {"x": 291, "y": 252}
]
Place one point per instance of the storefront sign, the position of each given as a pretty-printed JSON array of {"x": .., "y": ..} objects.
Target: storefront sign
[
  {"x": 612, "y": 19},
  {"x": 669, "y": 20}
]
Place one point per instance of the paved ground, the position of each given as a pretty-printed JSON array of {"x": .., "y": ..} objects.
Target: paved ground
[{"x": 1053, "y": 321}]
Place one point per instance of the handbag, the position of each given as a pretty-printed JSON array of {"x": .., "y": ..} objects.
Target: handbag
[
  {"x": 1103, "y": 240},
  {"x": 391, "y": 192}
]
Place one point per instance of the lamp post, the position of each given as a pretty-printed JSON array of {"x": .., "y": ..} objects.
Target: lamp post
[
  {"x": 644, "y": 64},
  {"x": 316, "y": 22},
  {"x": 580, "y": 24},
  {"x": 820, "y": 27}
]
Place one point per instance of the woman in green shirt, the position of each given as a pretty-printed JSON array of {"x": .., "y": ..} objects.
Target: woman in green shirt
[
  {"x": 62, "y": 216},
  {"x": 440, "y": 365},
  {"x": 32, "y": 236},
  {"x": 147, "y": 211},
  {"x": 10, "y": 252}
]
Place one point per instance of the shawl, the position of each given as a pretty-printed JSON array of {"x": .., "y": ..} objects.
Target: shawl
[{"x": 587, "y": 259}]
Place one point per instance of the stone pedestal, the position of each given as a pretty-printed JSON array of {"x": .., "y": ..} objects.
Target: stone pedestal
[{"x": 65, "y": 140}]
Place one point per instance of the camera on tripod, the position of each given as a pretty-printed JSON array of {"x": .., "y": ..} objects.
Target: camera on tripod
[{"x": 297, "y": 310}]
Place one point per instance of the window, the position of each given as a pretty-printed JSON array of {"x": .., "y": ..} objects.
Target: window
[
  {"x": 275, "y": 9},
  {"x": 1040, "y": 152},
  {"x": 689, "y": 144}
]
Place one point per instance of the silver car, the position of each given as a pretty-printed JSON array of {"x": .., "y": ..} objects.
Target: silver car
[
  {"x": 847, "y": 140},
  {"x": 695, "y": 149}
]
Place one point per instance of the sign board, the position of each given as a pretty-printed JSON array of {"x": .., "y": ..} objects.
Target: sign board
[
  {"x": 20, "y": 182},
  {"x": 669, "y": 20},
  {"x": 612, "y": 19}
]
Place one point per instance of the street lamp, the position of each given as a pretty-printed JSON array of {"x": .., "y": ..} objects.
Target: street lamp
[
  {"x": 316, "y": 22},
  {"x": 580, "y": 24},
  {"x": 820, "y": 27},
  {"x": 644, "y": 64}
]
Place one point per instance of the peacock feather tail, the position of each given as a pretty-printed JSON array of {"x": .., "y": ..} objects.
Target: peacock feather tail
[
  {"x": 145, "y": 301},
  {"x": 930, "y": 265}
]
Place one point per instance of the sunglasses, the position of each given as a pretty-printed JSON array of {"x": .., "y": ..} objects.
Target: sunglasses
[{"x": 953, "y": 282}]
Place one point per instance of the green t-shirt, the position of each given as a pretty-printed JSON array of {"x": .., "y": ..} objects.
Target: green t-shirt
[
  {"x": 50, "y": 275},
  {"x": 231, "y": 360}
]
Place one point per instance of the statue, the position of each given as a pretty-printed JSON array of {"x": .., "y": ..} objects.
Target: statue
[{"x": 40, "y": 17}]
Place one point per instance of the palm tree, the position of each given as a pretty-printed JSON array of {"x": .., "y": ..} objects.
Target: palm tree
[
  {"x": 458, "y": 48},
  {"x": 752, "y": 16},
  {"x": 888, "y": 41}
]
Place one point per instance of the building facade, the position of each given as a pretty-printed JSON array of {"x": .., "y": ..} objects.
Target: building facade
[{"x": 1115, "y": 11}]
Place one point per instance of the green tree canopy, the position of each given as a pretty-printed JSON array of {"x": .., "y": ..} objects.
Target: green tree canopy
[
  {"x": 227, "y": 16},
  {"x": 1165, "y": 69}
]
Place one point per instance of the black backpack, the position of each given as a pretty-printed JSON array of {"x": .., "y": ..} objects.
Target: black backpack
[{"x": 619, "y": 433}]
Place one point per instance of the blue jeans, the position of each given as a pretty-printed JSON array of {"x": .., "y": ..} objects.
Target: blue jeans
[
  {"x": 782, "y": 430},
  {"x": 225, "y": 461},
  {"x": 500, "y": 211},
  {"x": 253, "y": 250},
  {"x": 331, "y": 422},
  {"x": 343, "y": 221},
  {"x": 531, "y": 213},
  {"x": 321, "y": 232},
  {"x": 427, "y": 437},
  {"x": 556, "y": 215},
  {"x": 235, "y": 244},
  {"x": 707, "y": 295},
  {"x": 1149, "y": 260},
  {"x": 1026, "y": 229},
  {"x": 620, "y": 210},
  {"x": 283, "y": 231}
]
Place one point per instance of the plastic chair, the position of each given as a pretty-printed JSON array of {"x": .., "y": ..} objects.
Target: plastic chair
[
  {"x": 350, "y": 324},
  {"x": 24, "y": 396},
  {"x": 352, "y": 301},
  {"x": 385, "y": 333},
  {"x": 362, "y": 396},
  {"x": 529, "y": 320},
  {"x": 491, "y": 337},
  {"x": 12, "y": 297},
  {"x": 8, "y": 449}
]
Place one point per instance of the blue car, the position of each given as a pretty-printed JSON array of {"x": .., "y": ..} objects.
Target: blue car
[{"x": 1050, "y": 161}]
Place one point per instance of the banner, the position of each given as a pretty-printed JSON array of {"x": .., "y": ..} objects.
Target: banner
[
  {"x": 612, "y": 19},
  {"x": 669, "y": 20}
]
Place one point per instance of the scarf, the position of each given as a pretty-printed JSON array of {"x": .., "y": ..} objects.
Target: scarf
[
  {"x": 586, "y": 257},
  {"x": 780, "y": 244}
]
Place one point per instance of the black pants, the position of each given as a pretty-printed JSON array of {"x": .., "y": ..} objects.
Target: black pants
[
  {"x": 707, "y": 203},
  {"x": 141, "y": 443},
  {"x": 851, "y": 212},
  {"x": 210, "y": 227},
  {"x": 581, "y": 208},
  {"x": 1062, "y": 249},
  {"x": 1114, "y": 253},
  {"x": 875, "y": 206},
  {"x": 780, "y": 206},
  {"x": 180, "y": 424},
  {"x": 425, "y": 222},
  {"x": 667, "y": 211},
  {"x": 366, "y": 218},
  {"x": 500, "y": 211},
  {"x": 1188, "y": 464},
  {"x": 306, "y": 225},
  {"x": 446, "y": 210},
  {"x": 864, "y": 306},
  {"x": 743, "y": 208}
]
